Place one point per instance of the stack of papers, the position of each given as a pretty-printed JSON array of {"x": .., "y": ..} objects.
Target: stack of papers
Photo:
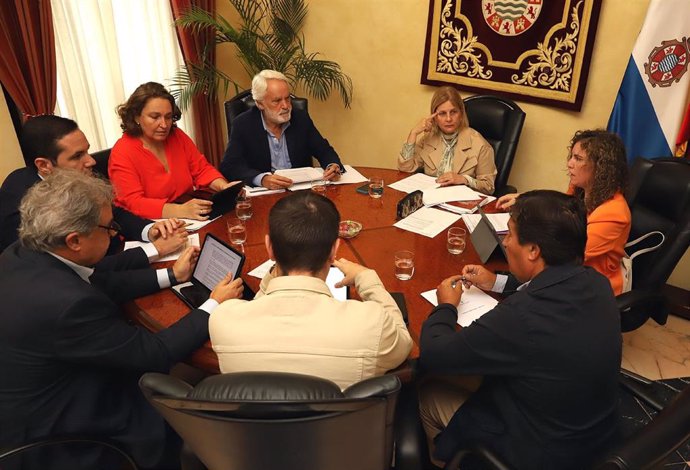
[
  {"x": 415, "y": 182},
  {"x": 499, "y": 221},
  {"x": 473, "y": 304},
  {"x": 427, "y": 221},
  {"x": 434, "y": 196},
  {"x": 350, "y": 176},
  {"x": 260, "y": 191}
]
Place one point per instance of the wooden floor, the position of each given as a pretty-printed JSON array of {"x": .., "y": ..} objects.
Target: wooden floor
[{"x": 659, "y": 351}]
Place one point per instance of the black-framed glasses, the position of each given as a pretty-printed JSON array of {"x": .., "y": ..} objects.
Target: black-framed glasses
[{"x": 113, "y": 229}]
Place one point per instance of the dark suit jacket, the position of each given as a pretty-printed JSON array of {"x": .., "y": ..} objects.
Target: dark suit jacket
[
  {"x": 70, "y": 361},
  {"x": 550, "y": 356},
  {"x": 18, "y": 183},
  {"x": 248, "y": 153}
]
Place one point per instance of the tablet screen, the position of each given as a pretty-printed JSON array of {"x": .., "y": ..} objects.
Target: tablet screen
[{"x": 215, "y": 261}]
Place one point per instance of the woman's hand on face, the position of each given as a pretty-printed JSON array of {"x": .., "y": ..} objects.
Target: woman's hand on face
[
  {"x": 450, "y": 178},
  {"x": 197, "y": 209},
  {"x": 425, "y": 125}
]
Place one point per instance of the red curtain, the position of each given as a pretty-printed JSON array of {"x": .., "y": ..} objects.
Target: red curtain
[
  {"x": 207, "y": 125},
  {"x": 27, "y": 55}
]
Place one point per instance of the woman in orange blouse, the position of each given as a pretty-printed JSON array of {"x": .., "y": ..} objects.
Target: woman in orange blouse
[{"x": 598, "y": 171}]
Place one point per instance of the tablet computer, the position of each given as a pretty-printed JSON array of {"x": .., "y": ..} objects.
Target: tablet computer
[
  {"x": 223, "y": 201},
  {"x": 216, "y": 259},
  {"x": 485, "y": 239}
]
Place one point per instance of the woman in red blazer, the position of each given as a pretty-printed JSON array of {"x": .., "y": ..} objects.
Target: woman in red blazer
[
  {"x": 598, "y": 171},
  {"x": 154, "y": 162}
]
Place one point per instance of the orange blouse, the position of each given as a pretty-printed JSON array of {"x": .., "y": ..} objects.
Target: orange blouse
[{"x": 608, "y": 227}]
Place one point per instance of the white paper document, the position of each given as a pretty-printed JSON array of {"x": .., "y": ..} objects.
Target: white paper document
[
  {"x": 334, "y": 275},
  {"x": 499, "y": 221},
  {"x": 417, "y": 181},
  {"x": 193, "y": 239},
  {"x": 260, "y": 191},
  {"x": 460, "y": 192},
  {"x": 427, "y": 221},
  {"x": 350, "y": 176},
  {"x": 473, "y": 304},
  {"x": 302, "y": 174},
  {"x": 192, "y": 225}
]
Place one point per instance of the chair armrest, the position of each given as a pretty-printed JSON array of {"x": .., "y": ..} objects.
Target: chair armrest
[
  {"x": 638, "y": 305},
  {"x": 163, "y": 384},
  {"x": 373, "y": 387},
  {"x": 485, "y": 456}
]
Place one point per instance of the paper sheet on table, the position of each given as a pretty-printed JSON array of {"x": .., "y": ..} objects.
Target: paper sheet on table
[
  {"x": 499, "y": 221},
  {"x": 473, "y": 304},
  {"x": 193, "y": 239},
  {"x": 302, "y": 174},
  {"x": 460, "y": 192},
  {"x": 192, "y": 225},
  {"x": 417, "y": 181},
  {"x": 334, "y": 275},
  {"x": 260, "y": 191},
  {"x": 427, "y": 221},
  {"x": 350, "y": 176}
]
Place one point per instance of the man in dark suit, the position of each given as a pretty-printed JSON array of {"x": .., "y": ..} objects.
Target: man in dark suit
[
  {"x": 273, "y": 136},
  {"x": 549, "y": 354},
  {"x": 50, "y": 142},
  {"x": 69, "y": 360}
]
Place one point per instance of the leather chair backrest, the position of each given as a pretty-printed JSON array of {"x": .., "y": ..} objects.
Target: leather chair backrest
[
  {"x": 659, "y": 199},
  {"x": 499, "y": 121},
  {"x": 243, "y": 101},
  {"x": 101, "y": 158},
  {"x": 279, "y": 420}
]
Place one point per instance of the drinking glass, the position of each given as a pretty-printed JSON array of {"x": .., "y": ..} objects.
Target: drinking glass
[
  {"x": 237, "y": 232},
  {"x": 404, "y": 264},
  {"x": 319, "y": 186},
  {"x": 375, "y": 187},
  {"x": 243, "y": 207},
  {"x": 456, "y": 240}
]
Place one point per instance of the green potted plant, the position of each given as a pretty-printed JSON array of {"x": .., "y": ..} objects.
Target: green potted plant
[{"x": 268, "y": 37}]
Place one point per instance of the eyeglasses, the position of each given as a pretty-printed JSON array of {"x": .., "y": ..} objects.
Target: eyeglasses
[{"x": 113, "y": 229}]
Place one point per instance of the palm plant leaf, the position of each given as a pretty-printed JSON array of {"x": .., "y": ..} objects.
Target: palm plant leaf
[{"x": 320, "y": 77}]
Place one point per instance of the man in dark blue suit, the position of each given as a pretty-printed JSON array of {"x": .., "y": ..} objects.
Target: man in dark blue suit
[
  {"x": 50, "y": 142},
  {"x": 274, "y": 136},
  {"x": 69, "y": 360},
  {"x": 549, "y": 353}
]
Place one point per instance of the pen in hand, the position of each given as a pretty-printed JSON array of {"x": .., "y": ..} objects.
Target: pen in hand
[{"x": 455, "y": 283}]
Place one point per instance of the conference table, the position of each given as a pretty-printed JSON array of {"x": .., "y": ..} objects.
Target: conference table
[{"x": 373, "y": 247}]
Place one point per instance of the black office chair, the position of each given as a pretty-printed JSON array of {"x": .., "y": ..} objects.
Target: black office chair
[
  {"x": 256, "y": 420},
  {"x": 101, "y": 167},
  {"x": 645, "y": 449},
  {"x": 243, "y": 101},
  {"x": 659, "y": 199},
  {"x": 73, "y": 452},
  {"x": 499, "y": 121}
]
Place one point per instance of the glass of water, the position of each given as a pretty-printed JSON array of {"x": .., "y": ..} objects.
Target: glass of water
[
  {"x": 237, "y": 231},
  {"x": 243, "y": 207},
  {"x": 404, "y": 264},
  {"x": 319, "y": 186},
  {"x": 456, "y": 240},
  {"x": 375, "y": 187}
]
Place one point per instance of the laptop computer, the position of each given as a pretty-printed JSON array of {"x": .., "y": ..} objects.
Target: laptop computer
[
  {"x": 223, "y": 201},
  {"x": 485, "y": 238},
  {"x": 216, "y": 259}
]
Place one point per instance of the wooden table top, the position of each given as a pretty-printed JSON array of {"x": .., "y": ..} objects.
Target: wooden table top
[{"x": 373, "y": 247}]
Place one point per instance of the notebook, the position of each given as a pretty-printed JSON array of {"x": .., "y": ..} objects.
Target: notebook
[
  {"x": 216, "y": 259},
  {"x": 485, "y": 238}
]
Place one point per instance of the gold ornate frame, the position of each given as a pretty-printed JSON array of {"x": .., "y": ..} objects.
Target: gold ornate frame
[{"x": 548, "y": 65}]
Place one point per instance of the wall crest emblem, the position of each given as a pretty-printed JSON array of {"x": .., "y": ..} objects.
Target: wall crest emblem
[
  {"x": 667, "y": 63},
  {"x": 511, "y": 17}
]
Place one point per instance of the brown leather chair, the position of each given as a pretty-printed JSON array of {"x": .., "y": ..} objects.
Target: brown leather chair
[
  {"x": 499, "y": 121},
  {"x": 257, "y": 420}
]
